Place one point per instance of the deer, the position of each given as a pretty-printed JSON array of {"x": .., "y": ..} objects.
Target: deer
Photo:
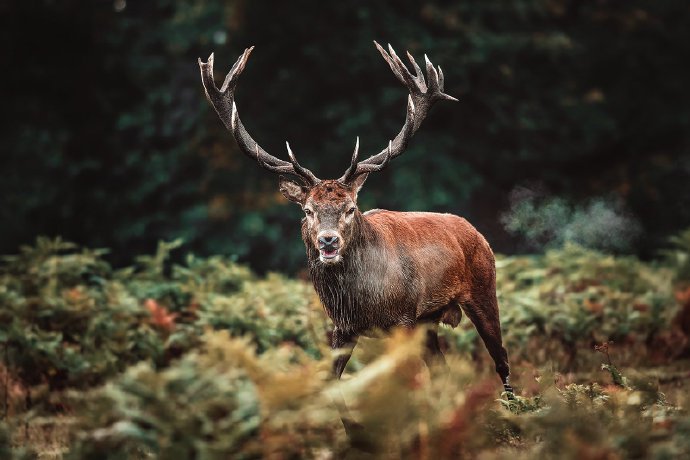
[{"x": 380, "y": 269}]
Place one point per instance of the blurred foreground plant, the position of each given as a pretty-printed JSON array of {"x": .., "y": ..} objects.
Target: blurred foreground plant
[{"x": 224, "y": 400}]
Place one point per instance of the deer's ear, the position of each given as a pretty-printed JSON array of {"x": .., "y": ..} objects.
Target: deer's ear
[
  {"x": 358, "y": 182},
  {"x": 292, "y": 190}
]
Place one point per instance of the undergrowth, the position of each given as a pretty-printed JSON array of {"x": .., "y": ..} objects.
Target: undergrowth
[{"x": 207, "y": 360}]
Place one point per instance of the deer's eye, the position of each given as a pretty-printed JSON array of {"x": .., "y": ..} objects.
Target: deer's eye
[
  {"x": 308, "y": 211},
  {"x": 351, "y": 210}
]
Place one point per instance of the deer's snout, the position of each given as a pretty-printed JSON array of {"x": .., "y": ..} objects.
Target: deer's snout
[
  {"x": 329, "y": 246},
  {"x": 328, "y": 240}
]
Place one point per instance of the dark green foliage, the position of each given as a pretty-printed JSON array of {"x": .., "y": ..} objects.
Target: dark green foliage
[
  {"x": 69, "y": 320},
  {"x": 557, "y": 306},
  {"x": 108, "y": 139},
  {"x": 65, "y": 322}
]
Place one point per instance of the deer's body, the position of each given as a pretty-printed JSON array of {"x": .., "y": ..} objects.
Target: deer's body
[
  {"x": 381, "y": 269},
  {"x": 403, "y": 268}
]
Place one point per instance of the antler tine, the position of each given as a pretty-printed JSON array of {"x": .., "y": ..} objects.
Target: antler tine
[
  {"x": 223, "y": 101},
  {"x": 302, "y": 171},
  {"x": 432, "y": 74},
  {"x": 236, "y": 70},
  {"x": 353, "y": 165},
  {"x": 408, "y": 79},
  {"x": 390, "y": 62},
  {"x": 355, "y": 153},
  {"x": 349, "y": 173},
  {"x": 422, "y": 96},
  {"x": 440, "y": 79},
  {"x": 258, "y": 157},
  {"x": 367, "y": 168},
  {"x": 417, "y": 70}
]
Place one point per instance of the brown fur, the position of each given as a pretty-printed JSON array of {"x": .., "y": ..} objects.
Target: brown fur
[{"x": 402, "y": 269}]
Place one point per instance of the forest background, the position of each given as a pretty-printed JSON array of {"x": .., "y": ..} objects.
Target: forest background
[{"x": 573, "y": 120}]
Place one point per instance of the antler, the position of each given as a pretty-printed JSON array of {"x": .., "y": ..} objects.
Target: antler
[
  {"x": 223, "y": 101},
  {"x": 423, "y": 94}
]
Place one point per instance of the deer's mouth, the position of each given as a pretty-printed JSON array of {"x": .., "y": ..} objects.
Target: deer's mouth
[{"x": 329, "y": 253}]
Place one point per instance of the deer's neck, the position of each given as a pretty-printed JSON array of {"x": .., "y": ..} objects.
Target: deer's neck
[{"x": 346, "y": 288}]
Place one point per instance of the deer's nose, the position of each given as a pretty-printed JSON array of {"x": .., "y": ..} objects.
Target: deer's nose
[{"x": 328, "y": 240}]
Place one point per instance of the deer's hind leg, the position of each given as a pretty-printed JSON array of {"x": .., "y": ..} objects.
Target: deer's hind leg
[{"x": 483, "y": 312}]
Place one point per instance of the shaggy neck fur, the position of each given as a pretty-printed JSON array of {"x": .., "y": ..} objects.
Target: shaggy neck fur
[{"x": 346, "y": 289}]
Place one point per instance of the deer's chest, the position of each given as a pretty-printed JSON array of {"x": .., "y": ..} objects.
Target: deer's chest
[{"x": 359, "y": 301}]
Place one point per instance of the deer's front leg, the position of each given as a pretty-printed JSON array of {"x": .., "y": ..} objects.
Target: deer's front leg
[{"x": 346, "y": 343}]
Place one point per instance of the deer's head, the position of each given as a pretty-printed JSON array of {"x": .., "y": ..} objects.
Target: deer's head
[
  {"x": 330, "y": 214},
  {"x": 330, "y": 206}
]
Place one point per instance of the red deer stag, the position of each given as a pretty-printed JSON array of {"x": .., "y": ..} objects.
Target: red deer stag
[{"x": 381, "y": 269}]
